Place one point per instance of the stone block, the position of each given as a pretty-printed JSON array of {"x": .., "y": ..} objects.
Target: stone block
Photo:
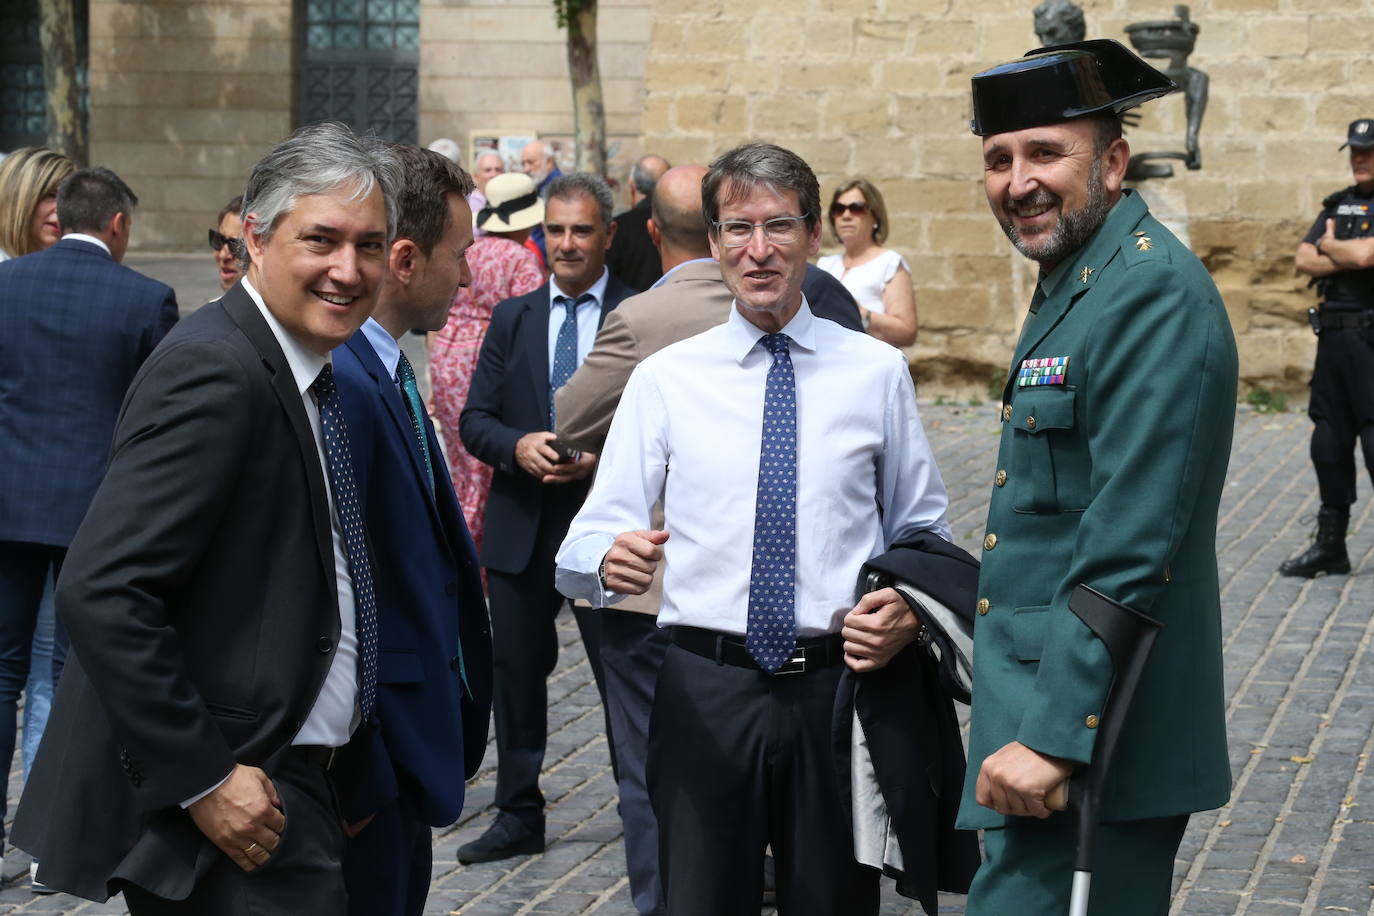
[
  {"x": 685, "y": 73},
  {"x": 961, "y": 306},
  {"x": 944, "y": 36},
  {"x": 1335, "y": 111},
  {"x": 681, "y": 150},
  {"x": 910, "y": 75},
  {"x": 1312, "y": 73},
  {"x": 932, "y": 196},
  {"x": 657, "y": 116},
  {"x": 858, "y": 114},
  {"x": 877, "y": 159},
  {"x": 715, "y": 39},
  {"x": 709, "y": 113},
  {"x": 784, "y": 115},
  {"x": 781, "y": 38},
  {"x": 829, "y": 36},
  {"x": 1295, "y": 156},
  {"x": 1277, "y": 36},
  {"x": 955, "y": 157},
  {"x": 193, "y": 56},
  {"x": 828, "y": 159},
  {"x": 186, "y": 125},
  {"x": 932, "y": 114},
  {"x": 1245, "y": 6},
  {"x": 1339, "y": 34},
  {"x": 1271, "y": 113},
  {"x": 840, "y": 76},
  {"x": 753, "y": 76},
  {"x": 961, "y": 235}
]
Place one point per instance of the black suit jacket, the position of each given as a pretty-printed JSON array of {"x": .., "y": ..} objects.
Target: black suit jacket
[
  {"x": 633, "y": 257},
  {"x": 199, "y": 596},
  {"x": 509, "y": 397}
]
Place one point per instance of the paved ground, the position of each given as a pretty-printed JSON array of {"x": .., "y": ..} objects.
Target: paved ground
[{"x": 1297, "y": 838}]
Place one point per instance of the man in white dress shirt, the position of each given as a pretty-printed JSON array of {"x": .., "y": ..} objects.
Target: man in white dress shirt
[{"x": 796, "y": 454}]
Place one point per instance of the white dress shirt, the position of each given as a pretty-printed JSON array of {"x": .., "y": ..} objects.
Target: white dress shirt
[
  {"x": 688, "y": 430},
  {"x": 588, "y": 316},
  {"x": 89, "y": 239},
  {"x": 334, "y": 715}
]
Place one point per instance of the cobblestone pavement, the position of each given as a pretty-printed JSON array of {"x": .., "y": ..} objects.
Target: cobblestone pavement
[{"x": 1297, "y": 838}]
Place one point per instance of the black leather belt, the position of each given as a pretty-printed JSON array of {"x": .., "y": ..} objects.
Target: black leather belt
[
  {"x": 811, "y": 654},
  {"x": 315, "y": 755},
  {"x": 1327, "y": 319}
]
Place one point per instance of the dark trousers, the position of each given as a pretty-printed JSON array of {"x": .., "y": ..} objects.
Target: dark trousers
[
  {"x": 24, "y": 571},
  {"x": 738, "y": 760},
  {"x": 632, "y": 649},
  {"x": 1029, "y": 870},
  {"x": 387, "y": 866},
  {"x": 524, "y": 644},
  {"x": 1342, "y": 409},
  {"x": 304, "y": 877}
]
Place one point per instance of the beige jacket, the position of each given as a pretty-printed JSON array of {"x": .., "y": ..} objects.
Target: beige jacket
[{"x": 694, "y": 299}]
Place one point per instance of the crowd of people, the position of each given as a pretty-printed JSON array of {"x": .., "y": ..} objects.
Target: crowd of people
[{"x": 296, "y": 595}]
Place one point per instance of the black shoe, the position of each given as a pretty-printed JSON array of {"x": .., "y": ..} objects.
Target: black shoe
[
  {"x": 1327, "y": 553},
  {"x": 507, "y": 836}
]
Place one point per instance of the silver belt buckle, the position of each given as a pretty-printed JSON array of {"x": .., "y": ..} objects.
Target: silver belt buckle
[{"x": 794, "y": 665}]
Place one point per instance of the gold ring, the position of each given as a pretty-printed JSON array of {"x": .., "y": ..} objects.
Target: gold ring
[{"x": 251, "y": 846}]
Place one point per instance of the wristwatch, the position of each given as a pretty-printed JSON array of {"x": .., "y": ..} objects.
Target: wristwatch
[{"x": 601, "y": 572}]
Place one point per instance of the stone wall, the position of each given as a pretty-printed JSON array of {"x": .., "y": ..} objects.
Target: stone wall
[
  {"x": 879, "y": 88},
  {"x": 503, "y": 64},
  {"x": 184, "y": 99}
]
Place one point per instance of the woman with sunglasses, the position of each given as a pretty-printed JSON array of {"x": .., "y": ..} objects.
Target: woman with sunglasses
[
  {"x": 877, "y": 277},
  {"x": 224, "y": 242}
]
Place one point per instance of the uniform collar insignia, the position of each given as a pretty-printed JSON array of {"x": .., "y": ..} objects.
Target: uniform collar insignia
[
  {"x": 1143, "y": 243},
  {"x": 1085, "y": 274}
]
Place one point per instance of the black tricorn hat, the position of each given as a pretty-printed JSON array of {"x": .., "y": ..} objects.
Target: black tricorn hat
[{"x": 1063, "y": 82}]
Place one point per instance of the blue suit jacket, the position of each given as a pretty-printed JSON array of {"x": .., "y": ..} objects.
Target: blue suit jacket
[
  {"x": 434, "y": 661},
  {"x": 509, "y": 397},
  {"x": 74, "y": 328}
]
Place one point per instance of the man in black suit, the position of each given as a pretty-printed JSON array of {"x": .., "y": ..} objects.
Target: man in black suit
[
  {"x": 434, "y": 646},
  {"x": 76, "y": 325},
  {"x": 634, "y": 256},
  {"x": 534, "y": 344},
  {"x": 218, "y": 594}
]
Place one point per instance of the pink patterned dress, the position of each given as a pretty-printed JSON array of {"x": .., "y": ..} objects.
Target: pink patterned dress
[{"x": 500, "y": 269}]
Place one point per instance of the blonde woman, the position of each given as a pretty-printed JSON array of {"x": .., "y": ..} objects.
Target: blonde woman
[
  {"x": 29, "y": 177},
  {"x": 877, "y": 277}
]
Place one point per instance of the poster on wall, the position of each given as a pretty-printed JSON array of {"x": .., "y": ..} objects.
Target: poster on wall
[{"x": 506, "y": 144}]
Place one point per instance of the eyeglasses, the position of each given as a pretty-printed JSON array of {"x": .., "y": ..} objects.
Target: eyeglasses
[
  {"x": 781, "y": 230},
  {"x": 218, "y": 241},
  {"x": 858, "y": 208}
]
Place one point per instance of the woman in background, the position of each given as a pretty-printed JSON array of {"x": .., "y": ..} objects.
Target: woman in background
[
  {"x": 502, "y": 266},
  {"x": 224, "y": 242},
  {"x": 29, "y": 177},
  {"x": 877, "y": 277}
]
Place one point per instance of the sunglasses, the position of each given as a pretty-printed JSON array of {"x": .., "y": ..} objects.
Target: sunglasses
[
  {"x": 219, "y": 240},
  {"x": 858, "y": 208}
]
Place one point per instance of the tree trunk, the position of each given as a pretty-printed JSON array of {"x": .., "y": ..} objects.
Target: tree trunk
[
  {"x": 57, "y": 32},
  {"x": 589, "y": 112}
]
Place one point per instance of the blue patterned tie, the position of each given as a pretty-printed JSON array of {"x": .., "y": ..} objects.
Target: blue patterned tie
[
  {"x": 405, "y": 373},
  {"x": 773, "y": 576},
  {"x": 339, "y": 459},
  {"x": 565, "y": 348}
]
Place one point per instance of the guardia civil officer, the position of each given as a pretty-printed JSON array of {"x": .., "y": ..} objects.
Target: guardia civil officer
[
  {"x": 1116, "y": 432},
  {"x": 1338, "y": 251}
]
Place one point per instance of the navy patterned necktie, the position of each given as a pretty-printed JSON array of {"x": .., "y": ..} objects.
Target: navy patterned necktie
[
  {"x": 772, "y": 631},
  {"x": 339, "y": 460},
  {"x": 565, "y": 348},
  {"x": 405, "y": 374}
]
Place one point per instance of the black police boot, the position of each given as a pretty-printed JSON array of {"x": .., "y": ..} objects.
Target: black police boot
[{"x": 1327, "y": 554}]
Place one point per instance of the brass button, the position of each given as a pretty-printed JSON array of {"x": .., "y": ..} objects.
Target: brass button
[
  {"x": 1001, "y": 478},
  {"x": 1091, "y": 721},
  {"x": 1006, "y": 412},
  {"x": 983, "y": 605},
  {"x": 990, "y": 542},
  {"x": 1030, "y": 422}
]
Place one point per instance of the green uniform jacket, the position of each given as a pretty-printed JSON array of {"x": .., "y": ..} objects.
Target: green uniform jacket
[{"x": 1111, "y": 476}]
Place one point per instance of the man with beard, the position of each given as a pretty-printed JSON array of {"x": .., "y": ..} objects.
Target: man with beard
[{"x": 1116, "y": 431}]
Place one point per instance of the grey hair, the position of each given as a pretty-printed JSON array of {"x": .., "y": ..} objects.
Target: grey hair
[
  {"x": 574, "y": 183},
  {"x": 642, "y": 180},
  {"x": 316, "y": 159},
  {"x": 747, "y": 167}
]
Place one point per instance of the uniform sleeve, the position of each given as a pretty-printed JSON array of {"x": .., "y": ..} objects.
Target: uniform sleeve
[
  {"x": 1161, "y": 403},
  {"x": 629, "y": 482},
  {"x": 1318, "y": 228}
]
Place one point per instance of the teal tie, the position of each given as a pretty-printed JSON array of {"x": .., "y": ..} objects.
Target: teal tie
[{"x": 416, "y": 408}]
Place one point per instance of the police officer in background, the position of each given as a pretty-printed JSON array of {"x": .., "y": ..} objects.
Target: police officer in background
[{"x": 1338, "y": 252}]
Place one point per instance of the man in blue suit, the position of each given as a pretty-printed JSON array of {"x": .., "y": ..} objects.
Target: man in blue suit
[
  {"x": 535, "y": 343},
  {"x": 434, "y": 659},
  {"x": 75, "y": 325}
]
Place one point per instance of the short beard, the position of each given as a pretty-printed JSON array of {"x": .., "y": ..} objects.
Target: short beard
[{"x": 1073, "y": 229}]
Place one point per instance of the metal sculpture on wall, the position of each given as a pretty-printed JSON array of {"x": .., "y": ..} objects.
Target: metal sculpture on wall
[
  {"x": 1059, "y": 22},
  {"x": 1173, "y": 39}
]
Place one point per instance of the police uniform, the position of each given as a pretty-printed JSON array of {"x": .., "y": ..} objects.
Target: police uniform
[
  {"x": 1342, "y": 399},
  {"x": 1115, "y": 436}
]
